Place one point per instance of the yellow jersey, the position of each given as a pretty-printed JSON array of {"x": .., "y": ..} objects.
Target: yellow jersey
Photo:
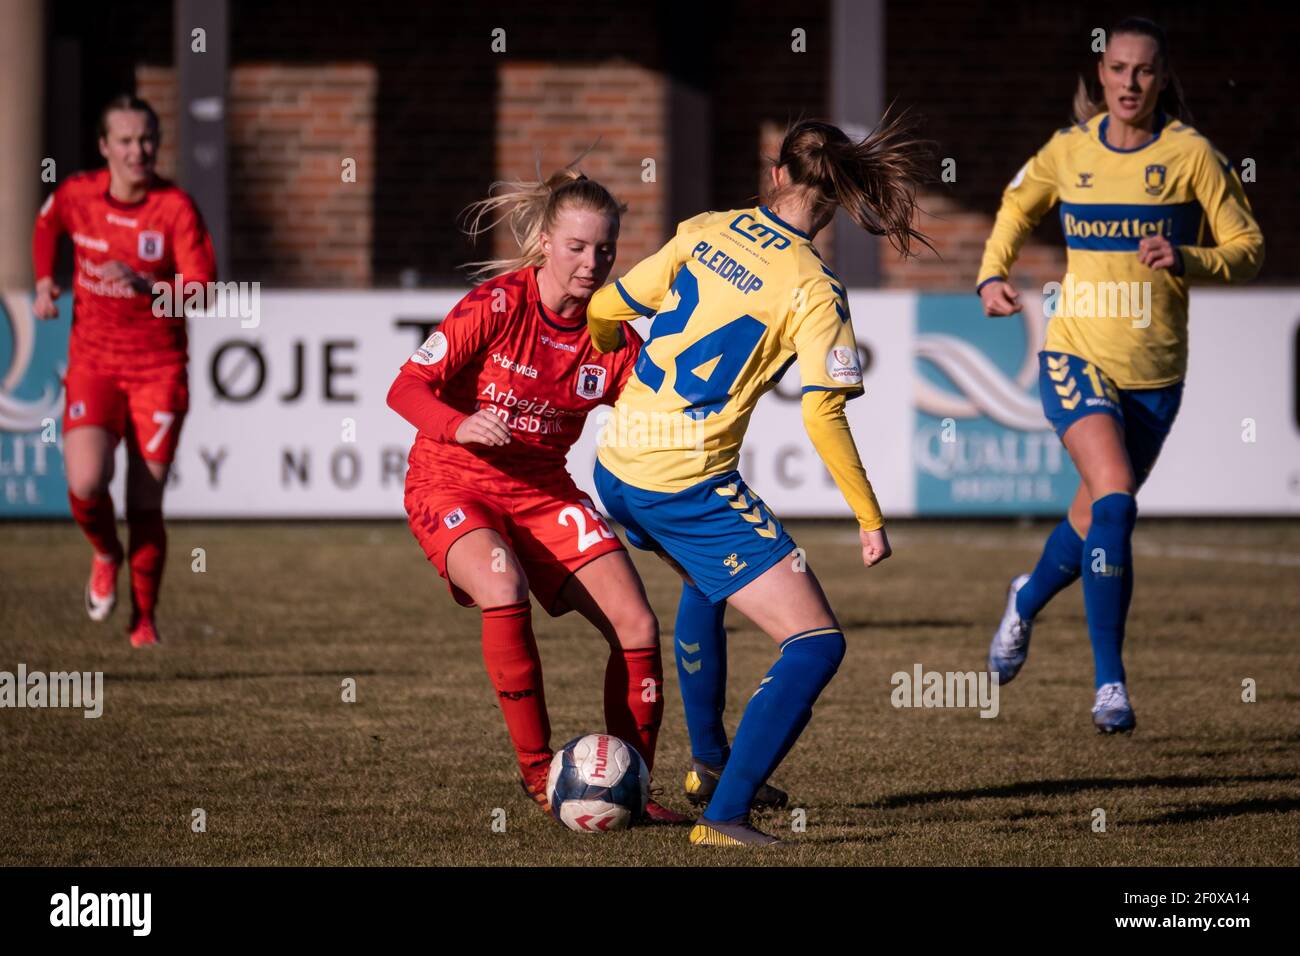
[
  {"x": 1110, "y": 309},
  {"x": 736, "y": 297}
]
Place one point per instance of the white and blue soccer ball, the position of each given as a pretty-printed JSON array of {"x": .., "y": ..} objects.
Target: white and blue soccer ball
[{"x": 598, "y": 783}]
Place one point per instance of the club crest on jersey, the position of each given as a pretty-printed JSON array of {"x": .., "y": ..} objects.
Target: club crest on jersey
[
  {"x": 1155, "y": 179},
  {"x": 432, "y": 351},
  {"x": 842, "y": 365},
  {"x": 454, "y": 518},
  {"x": 591, "y": 381},
  {"x": 150, "y": 245}
]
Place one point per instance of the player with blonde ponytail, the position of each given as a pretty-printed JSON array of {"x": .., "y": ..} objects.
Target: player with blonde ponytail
[{"x": 499, "y": 393}]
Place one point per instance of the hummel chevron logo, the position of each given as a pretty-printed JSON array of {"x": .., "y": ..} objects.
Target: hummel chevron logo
[
  {"x": 727, "y": 491},
  {"x": 753, "y": 517},
  {"x": 769, "y": 531},
  {"x": 689, "y": 648},
  {"x": 691, "y": 666},
  {"x": 740, "y": 503}
]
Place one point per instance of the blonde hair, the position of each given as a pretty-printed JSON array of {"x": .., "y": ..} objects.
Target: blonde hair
[
  {"x": 531, "y": 208},
  {"x": 1086, "y": 104},
  {"x": 873, "y": 180}
]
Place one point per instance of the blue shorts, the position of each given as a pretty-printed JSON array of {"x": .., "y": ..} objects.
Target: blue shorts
[
  {"x": 1072, "y": 387},
  {"x": 719, "y": 531}
]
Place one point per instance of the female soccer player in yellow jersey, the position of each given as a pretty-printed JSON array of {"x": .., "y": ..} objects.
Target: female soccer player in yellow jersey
[
  {"x": 737, "y": 297},
  {"x": 1138, "y": 187}
]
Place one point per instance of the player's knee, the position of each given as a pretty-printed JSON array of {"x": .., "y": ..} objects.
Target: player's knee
[
  {"x": 88, "y": 484},
  {"x": 828, "y": 648},
  {"x": 637, "y": 627},
  {"x": 1116, "y": 510},
  {"x": 498, "y": 588}
]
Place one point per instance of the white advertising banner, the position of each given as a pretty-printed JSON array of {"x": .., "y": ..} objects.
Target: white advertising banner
[{"x": 288, "y": 418}]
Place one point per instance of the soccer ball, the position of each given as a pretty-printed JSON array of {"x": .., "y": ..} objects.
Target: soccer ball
[{"x": 598, "y": 783}]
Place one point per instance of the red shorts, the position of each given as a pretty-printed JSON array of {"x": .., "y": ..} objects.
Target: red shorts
[
  {"x": 553, "y": 533},
  {"x": 145, "y": 410}
]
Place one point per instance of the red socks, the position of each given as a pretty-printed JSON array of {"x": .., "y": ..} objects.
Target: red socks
[
  {"x": 148, "y": 554},
  {"x": 95, "y": 518},
  {"x": 634, "y": 698},
  {"x": 510, "y": 653},
  {"x": 634, "y": 679}
]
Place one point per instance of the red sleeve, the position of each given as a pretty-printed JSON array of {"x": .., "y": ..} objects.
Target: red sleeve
[
  {"x": 627, "y": 356},
  {"x": 45, "y": 236},
  {"x": 195, "y": 260},
  {"x": 413, "y": 399},
  {"x": 444, "y": 353}
]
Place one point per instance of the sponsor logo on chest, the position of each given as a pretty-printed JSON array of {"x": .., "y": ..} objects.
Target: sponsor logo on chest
[{"x": 510, "y": 365}]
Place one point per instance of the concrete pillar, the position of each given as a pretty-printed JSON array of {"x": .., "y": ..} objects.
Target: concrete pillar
[
  {"x": 22, "y": 135},
  {"x": 857, "y": 101}
]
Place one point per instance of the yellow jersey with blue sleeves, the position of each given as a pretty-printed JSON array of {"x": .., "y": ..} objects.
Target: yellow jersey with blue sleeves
[
  {"x": 736, "y": 297},
  {"x": 1131, "y": 321}
]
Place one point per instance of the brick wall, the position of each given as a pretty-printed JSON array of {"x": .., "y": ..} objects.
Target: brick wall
[
  {"x": 294, "y": 221},
  {"x": 553, "y": 112},
  {"x": 448, "y": 115}
]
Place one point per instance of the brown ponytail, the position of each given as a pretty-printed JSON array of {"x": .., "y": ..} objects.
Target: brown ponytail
[
  {"x": 873, "y": 180},
  {"x": 531, "y": 207},
  {"x": 1088, "y": 98}
]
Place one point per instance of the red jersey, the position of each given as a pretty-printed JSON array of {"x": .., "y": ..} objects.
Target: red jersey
[
  {"x": 114, "y": 328},
  {"x": 500, "y": 348}
]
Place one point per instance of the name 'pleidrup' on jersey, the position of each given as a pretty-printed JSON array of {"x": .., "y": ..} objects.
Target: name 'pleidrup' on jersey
[{"x": 737, "y": 297}]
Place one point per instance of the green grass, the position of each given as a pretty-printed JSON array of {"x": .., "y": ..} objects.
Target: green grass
[{"x": 240, "y": 712}]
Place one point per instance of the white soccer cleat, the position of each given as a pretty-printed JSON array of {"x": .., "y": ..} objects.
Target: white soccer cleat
[
  {"x": 101, "y": 589},
  {"x": 1111, "y": 711},
  {"x": 1010, "y": 644}
]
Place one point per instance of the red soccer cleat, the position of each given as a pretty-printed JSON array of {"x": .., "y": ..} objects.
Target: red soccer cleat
[
  {"x": 533, "y": 782},
  {"x": 144, "y": 634},
  {"x": 101, "y": 589},
  {"x": 656, "y": 814}
]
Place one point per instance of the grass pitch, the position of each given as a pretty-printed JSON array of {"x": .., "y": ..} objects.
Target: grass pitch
[{"x": 241, "y": 712}]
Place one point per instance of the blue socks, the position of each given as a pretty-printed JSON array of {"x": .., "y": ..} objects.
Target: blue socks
[
  {"x": 774, "y": 718},
  {"x": 1108, "y": 580},
  {"x": 700, "y": 643},
  {"x": 1057, "y": 569}
]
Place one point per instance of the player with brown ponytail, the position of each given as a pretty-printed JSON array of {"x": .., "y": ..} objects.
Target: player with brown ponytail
[{"x": 736, "y": 298}]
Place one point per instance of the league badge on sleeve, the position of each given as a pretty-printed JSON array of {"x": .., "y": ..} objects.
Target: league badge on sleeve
[
  {"x": 432, "y": 351},
  {"x": 591, "y": 382},
  {"x": 842, "y": 365}
]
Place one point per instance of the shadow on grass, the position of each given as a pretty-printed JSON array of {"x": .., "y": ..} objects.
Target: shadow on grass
[
  {"x": 1049, "y": 788},
  {"x": 1219, "y": 811}
]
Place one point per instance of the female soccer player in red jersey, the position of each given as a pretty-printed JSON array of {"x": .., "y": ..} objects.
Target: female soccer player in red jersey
[
  {"x": 127, "y": 376},
  {"x": 1140, "y": 192},
  {"x": 499, "y": 393}
]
